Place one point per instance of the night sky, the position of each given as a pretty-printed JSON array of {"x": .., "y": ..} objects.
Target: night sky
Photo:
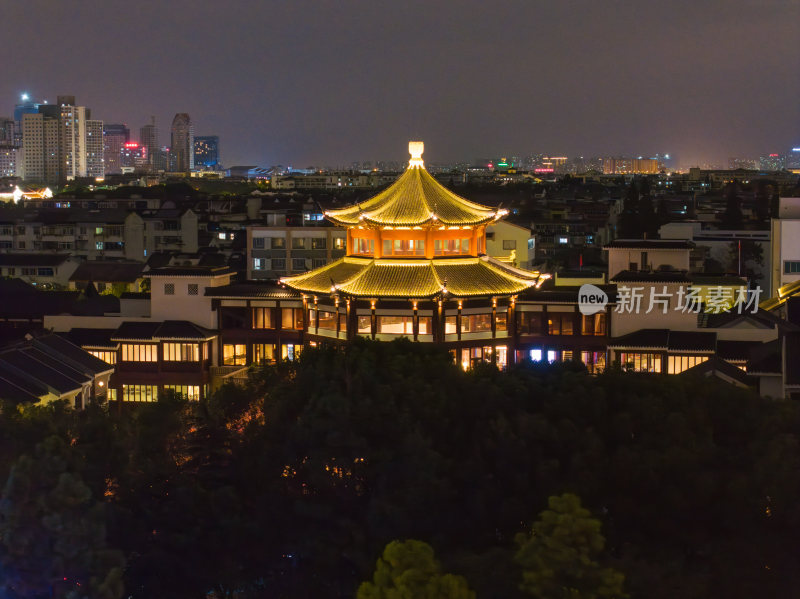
[{"x": 329, "y": 82}]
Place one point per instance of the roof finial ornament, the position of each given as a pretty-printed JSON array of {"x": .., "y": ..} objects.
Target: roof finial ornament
[{"x": 416, "y": 148}]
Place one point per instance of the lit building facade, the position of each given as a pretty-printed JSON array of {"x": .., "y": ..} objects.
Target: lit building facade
[
  {"x": 182, "y": 147},
  {"x": 630, "y": 166},
  {"x": 115, "y": 136},
  {"x": 206, "y": 152}
]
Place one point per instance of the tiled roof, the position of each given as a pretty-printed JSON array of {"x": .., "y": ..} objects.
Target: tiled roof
[
  {"x": 92, "y": 338},
  {"x": 391, "y": 277},
  {"x": 644, "y": 338},
  {"x": 190, "y": 271},
  {"x": 57, "y": 346},
  {"x": 657, "y": 276},
  {"x": 255, "y": 289},
  {"x": 156, "y": 331},
  {"x": 416, "y": 198},
  {"x": 664, "y": 339},
  {"x": 108, "y": 272},
  {"x": 32, "y": 259},
  {"x": 650, "y": 244}
]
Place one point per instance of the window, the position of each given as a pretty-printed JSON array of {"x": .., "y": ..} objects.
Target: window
[
  {"x": 532, "y": 243},
  {"x": 363, "y": 246},
  {"x": 258, "y": 243},
  {"x": 98, "y": 230},
  {"x": 476, "y": 323},
  {"x": 298, "y": 243},
  {"x": 169, "y": 288},
  {"x": 193, "y": 289},
  {"x": 147, "y": 393},
  {"x": 791, "y": 267},
  {"x": 262, "y": 318},
  {"x": 98, "y": 245},
  {"x": 263, "y": 352},
  {"x": 181, "y": 352},
  {"x": 292, "y": 318},
  {"x": 594, "y": 324},
  {"x": 563, "y": 240},
  {"x": 29, "y": 271},
  {"x": 560, "y": 324},
  {"x": 450, "y": 246},
  {"x": 501, "y": 320},
  {"x": 139, "y": 352},
  {"x": 290, "y": 351},
  {"x": 450, "y": 325},
  {"x": 45, "y": 272},
  {"x": 279, "y": 264},
  {"x": 318, "y": 262},
  {"x": 677, "y": 364},
  {"x": 365, "y": 325},
  {"x": 110, "y": 357},
  {"x": 425, "y": 325},
  {"x": 319, "y": 243},
  {"x": 190, "y": 392},
  {"x": 535, "y": 355},
  {"x": 338, "y": 243},
  {"x": 259, "y": 264},
  {"x": 396, "y": 325},
  {"x": 327, "y": 320},
  {"x": 234, "y": 354},
  {"x": 278, "y": 243},
  {"x": 640, "y": 362},
  {"x": 509, "y": 244},
  {"x": 404, "y": 247},
  {"x": 298, "y": 264},
  {"x": 595, "y": 361}
]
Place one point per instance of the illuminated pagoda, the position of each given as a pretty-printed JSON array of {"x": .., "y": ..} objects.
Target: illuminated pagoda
[{"x": 416, "y": 267}]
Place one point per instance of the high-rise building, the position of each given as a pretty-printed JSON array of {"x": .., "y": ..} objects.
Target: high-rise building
[
  {"x": 742, "y": 163},
  {"x": 8, "y": 147},
  {"x": 61, "y": 142},
  {"x": 630, "y": 166},
  {"x": 95, "y": 165},
  {"x": 183, "y": 142},
  {"x": 206, "y": 152},
  {"x": 114, "y": 138},
  {"x": 772, "y": 162},
  {"x": 40, "y": 148},
  {"x": 134, "y": 158},
  {"x": 148, "y": 137}
]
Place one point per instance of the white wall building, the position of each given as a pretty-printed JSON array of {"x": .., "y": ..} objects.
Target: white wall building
[{"x": 785, "y": 250}]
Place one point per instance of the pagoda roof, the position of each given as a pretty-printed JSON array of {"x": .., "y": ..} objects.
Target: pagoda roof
[
  {"x": 414, "y": 278},
  {"x": 415, "y": 199}
]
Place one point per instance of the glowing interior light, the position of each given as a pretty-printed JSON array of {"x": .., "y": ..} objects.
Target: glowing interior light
[{"x": 416, "y": 148}]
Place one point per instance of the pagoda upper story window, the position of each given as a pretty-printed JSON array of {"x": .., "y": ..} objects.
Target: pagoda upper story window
[
  {"x": 363, "y": 246},
  {"x": 403, "y": 247},
  {"x": 450, "y": 247}
]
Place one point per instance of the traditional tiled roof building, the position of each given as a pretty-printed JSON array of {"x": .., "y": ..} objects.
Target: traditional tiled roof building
[{"x": 416, "y": 266}]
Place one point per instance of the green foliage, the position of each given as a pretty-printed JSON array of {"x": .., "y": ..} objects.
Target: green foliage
[
  {"x": 52, "y": 534},
  {"x": 408, "y": 569},
  {"x": 289, "y": 487},
  {"x": 559, "y": 556}
]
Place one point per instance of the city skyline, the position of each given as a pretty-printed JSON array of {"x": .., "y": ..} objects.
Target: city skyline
[{"x": 310, "y": 84}]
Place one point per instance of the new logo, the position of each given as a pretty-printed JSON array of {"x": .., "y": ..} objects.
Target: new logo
[{"x": 591, "y": 299}]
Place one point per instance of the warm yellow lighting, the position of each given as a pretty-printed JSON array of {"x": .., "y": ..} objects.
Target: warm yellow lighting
[
  {"x": 100, "y": 384},
  {"x": 416, "y": 148}
]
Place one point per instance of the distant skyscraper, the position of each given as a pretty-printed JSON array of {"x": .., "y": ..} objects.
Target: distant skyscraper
[
  {"x": 7, "y": 130},
  {"x": 95, "y": 165},
  {"x": 114, "y": 138},
  {"x": 148, "y": 137},
  {"x": 61, "y": 142},
  {"x": 772, "y": 162},
  {"x": 134, "y": 157},
  {"x": 183, "y": 142},
  {"x": 206, "y": 152}
]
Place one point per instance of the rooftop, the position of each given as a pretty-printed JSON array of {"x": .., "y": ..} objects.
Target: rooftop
[{"x": 415, "y": 199}]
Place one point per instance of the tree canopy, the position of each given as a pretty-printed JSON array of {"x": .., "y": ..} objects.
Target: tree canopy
[{"x": 292, "y": 485}]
